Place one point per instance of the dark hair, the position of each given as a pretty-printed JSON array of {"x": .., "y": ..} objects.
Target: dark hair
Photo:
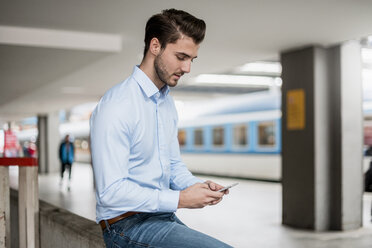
[{"x": 168, "y": 26}]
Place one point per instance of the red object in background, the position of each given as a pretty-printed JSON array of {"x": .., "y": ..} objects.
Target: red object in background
[
  {"x": 368, "y": 135},
  {"x": 32, "y": 150},
  {"x": 10, "y": 140},
  {"x": 18, "y": 161},
  {"x": 11, "y": 145}
]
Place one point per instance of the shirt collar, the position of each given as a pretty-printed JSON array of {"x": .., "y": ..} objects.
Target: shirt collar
[{"x": 146, "y": 84}]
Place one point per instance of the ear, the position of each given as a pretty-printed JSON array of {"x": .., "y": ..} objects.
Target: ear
[{"x": 155, "y": 46}]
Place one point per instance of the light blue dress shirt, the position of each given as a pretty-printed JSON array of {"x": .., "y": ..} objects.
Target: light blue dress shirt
[{"x": 135, "y": 150}]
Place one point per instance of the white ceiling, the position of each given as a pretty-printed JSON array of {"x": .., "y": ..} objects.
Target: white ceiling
[{"x": 36, "y": 79}]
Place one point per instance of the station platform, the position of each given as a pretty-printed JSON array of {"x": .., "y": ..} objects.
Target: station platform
[{"x": 250, "y": 216}]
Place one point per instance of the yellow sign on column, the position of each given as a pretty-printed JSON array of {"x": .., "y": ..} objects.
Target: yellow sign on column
[{"x": 296, "y": 109}]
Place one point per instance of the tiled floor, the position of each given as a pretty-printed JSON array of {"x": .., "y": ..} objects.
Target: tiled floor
[{"x": 250, "y": 216}]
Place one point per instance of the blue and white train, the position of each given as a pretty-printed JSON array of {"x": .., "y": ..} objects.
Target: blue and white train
[{"x": 236, "y": 137}]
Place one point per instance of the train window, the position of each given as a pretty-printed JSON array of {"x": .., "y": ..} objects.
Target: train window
[
  {"x": 182, "y": 137},
  {"x": 198, "y": 137},
  {"x": 266, "y": 134},
  {"x": 240, "y": 135},
  {"x": 218, "y": 136}
]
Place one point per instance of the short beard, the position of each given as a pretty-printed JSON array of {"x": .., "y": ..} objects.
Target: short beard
[{"x": 161, "y": 72}]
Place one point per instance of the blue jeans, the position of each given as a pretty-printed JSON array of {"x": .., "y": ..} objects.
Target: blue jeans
[{"x": 156, "y": 230}]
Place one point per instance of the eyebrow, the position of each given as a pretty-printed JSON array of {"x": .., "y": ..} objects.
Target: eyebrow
[{"x": 186, "y": 55}]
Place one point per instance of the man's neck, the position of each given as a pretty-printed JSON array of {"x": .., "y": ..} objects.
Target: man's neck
[{"x": 147, "y": 66}]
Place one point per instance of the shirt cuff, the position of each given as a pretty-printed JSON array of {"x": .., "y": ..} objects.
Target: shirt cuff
[
  {"x": 168, "y": 200},
  {"x": 193, "y": 181}
]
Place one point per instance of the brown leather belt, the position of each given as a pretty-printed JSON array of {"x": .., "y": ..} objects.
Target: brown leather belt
[{"x": 116, "y": 219}]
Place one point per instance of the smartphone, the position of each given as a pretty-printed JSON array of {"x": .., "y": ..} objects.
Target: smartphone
[{"x": 227, "y": 187}]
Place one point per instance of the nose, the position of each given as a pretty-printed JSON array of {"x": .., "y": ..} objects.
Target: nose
[{"x": 186, "y": 66}]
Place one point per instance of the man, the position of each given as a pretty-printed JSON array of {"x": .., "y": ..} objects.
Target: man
[
  {"x": 66, "y": 156},
  {"x": 140, "y": 178}
]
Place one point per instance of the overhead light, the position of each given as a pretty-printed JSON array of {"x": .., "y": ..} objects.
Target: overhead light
[
  {"x": 60, "y": 39},
  {"x": 367, "y": 55},
  {"x": 366, "y": 74},
  {"x": 260, "y": 67},
  {"x": 278, "y": 81},
  {"x": 237, "y": 80}
]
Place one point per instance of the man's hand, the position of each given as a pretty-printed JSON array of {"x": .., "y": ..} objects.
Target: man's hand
[
  {"x": 215, "y": 187},
  {"x": 199, "y": 195}
]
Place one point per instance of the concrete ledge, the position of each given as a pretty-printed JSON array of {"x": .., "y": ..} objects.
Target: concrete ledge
[{"x": 58, "y": 227}]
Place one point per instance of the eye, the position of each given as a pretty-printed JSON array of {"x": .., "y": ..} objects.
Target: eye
[{"x": 180, "y": 58}]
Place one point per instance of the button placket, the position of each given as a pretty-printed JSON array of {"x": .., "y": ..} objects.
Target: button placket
[{"x": 161, "y": 143}]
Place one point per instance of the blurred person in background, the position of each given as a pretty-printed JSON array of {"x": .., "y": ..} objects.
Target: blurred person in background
[
  {"x": 26, "y": 147},
  {"x": 29, "y": 149},
  {"x": 32, "y": 148},
  {"x": 66, "y": 156}
]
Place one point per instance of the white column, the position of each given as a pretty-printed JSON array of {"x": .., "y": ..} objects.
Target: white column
[
  {"x": 28, "y": 207},
  {"x": 48, "y": 142},
  {"x": 4, "y": 208}
]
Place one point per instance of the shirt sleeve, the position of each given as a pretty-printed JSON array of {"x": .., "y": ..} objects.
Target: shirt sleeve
[{"x": 110, "y": 147}]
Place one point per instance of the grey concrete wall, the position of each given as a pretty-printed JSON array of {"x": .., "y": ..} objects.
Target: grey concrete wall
[
  {"x": 322, "y": 163},
  {"x": 298, "y": 145},
  {"x": 58, "y": 228},
  {"x": 42, "y": 145},
  {"x": 53, "y": 139}
]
